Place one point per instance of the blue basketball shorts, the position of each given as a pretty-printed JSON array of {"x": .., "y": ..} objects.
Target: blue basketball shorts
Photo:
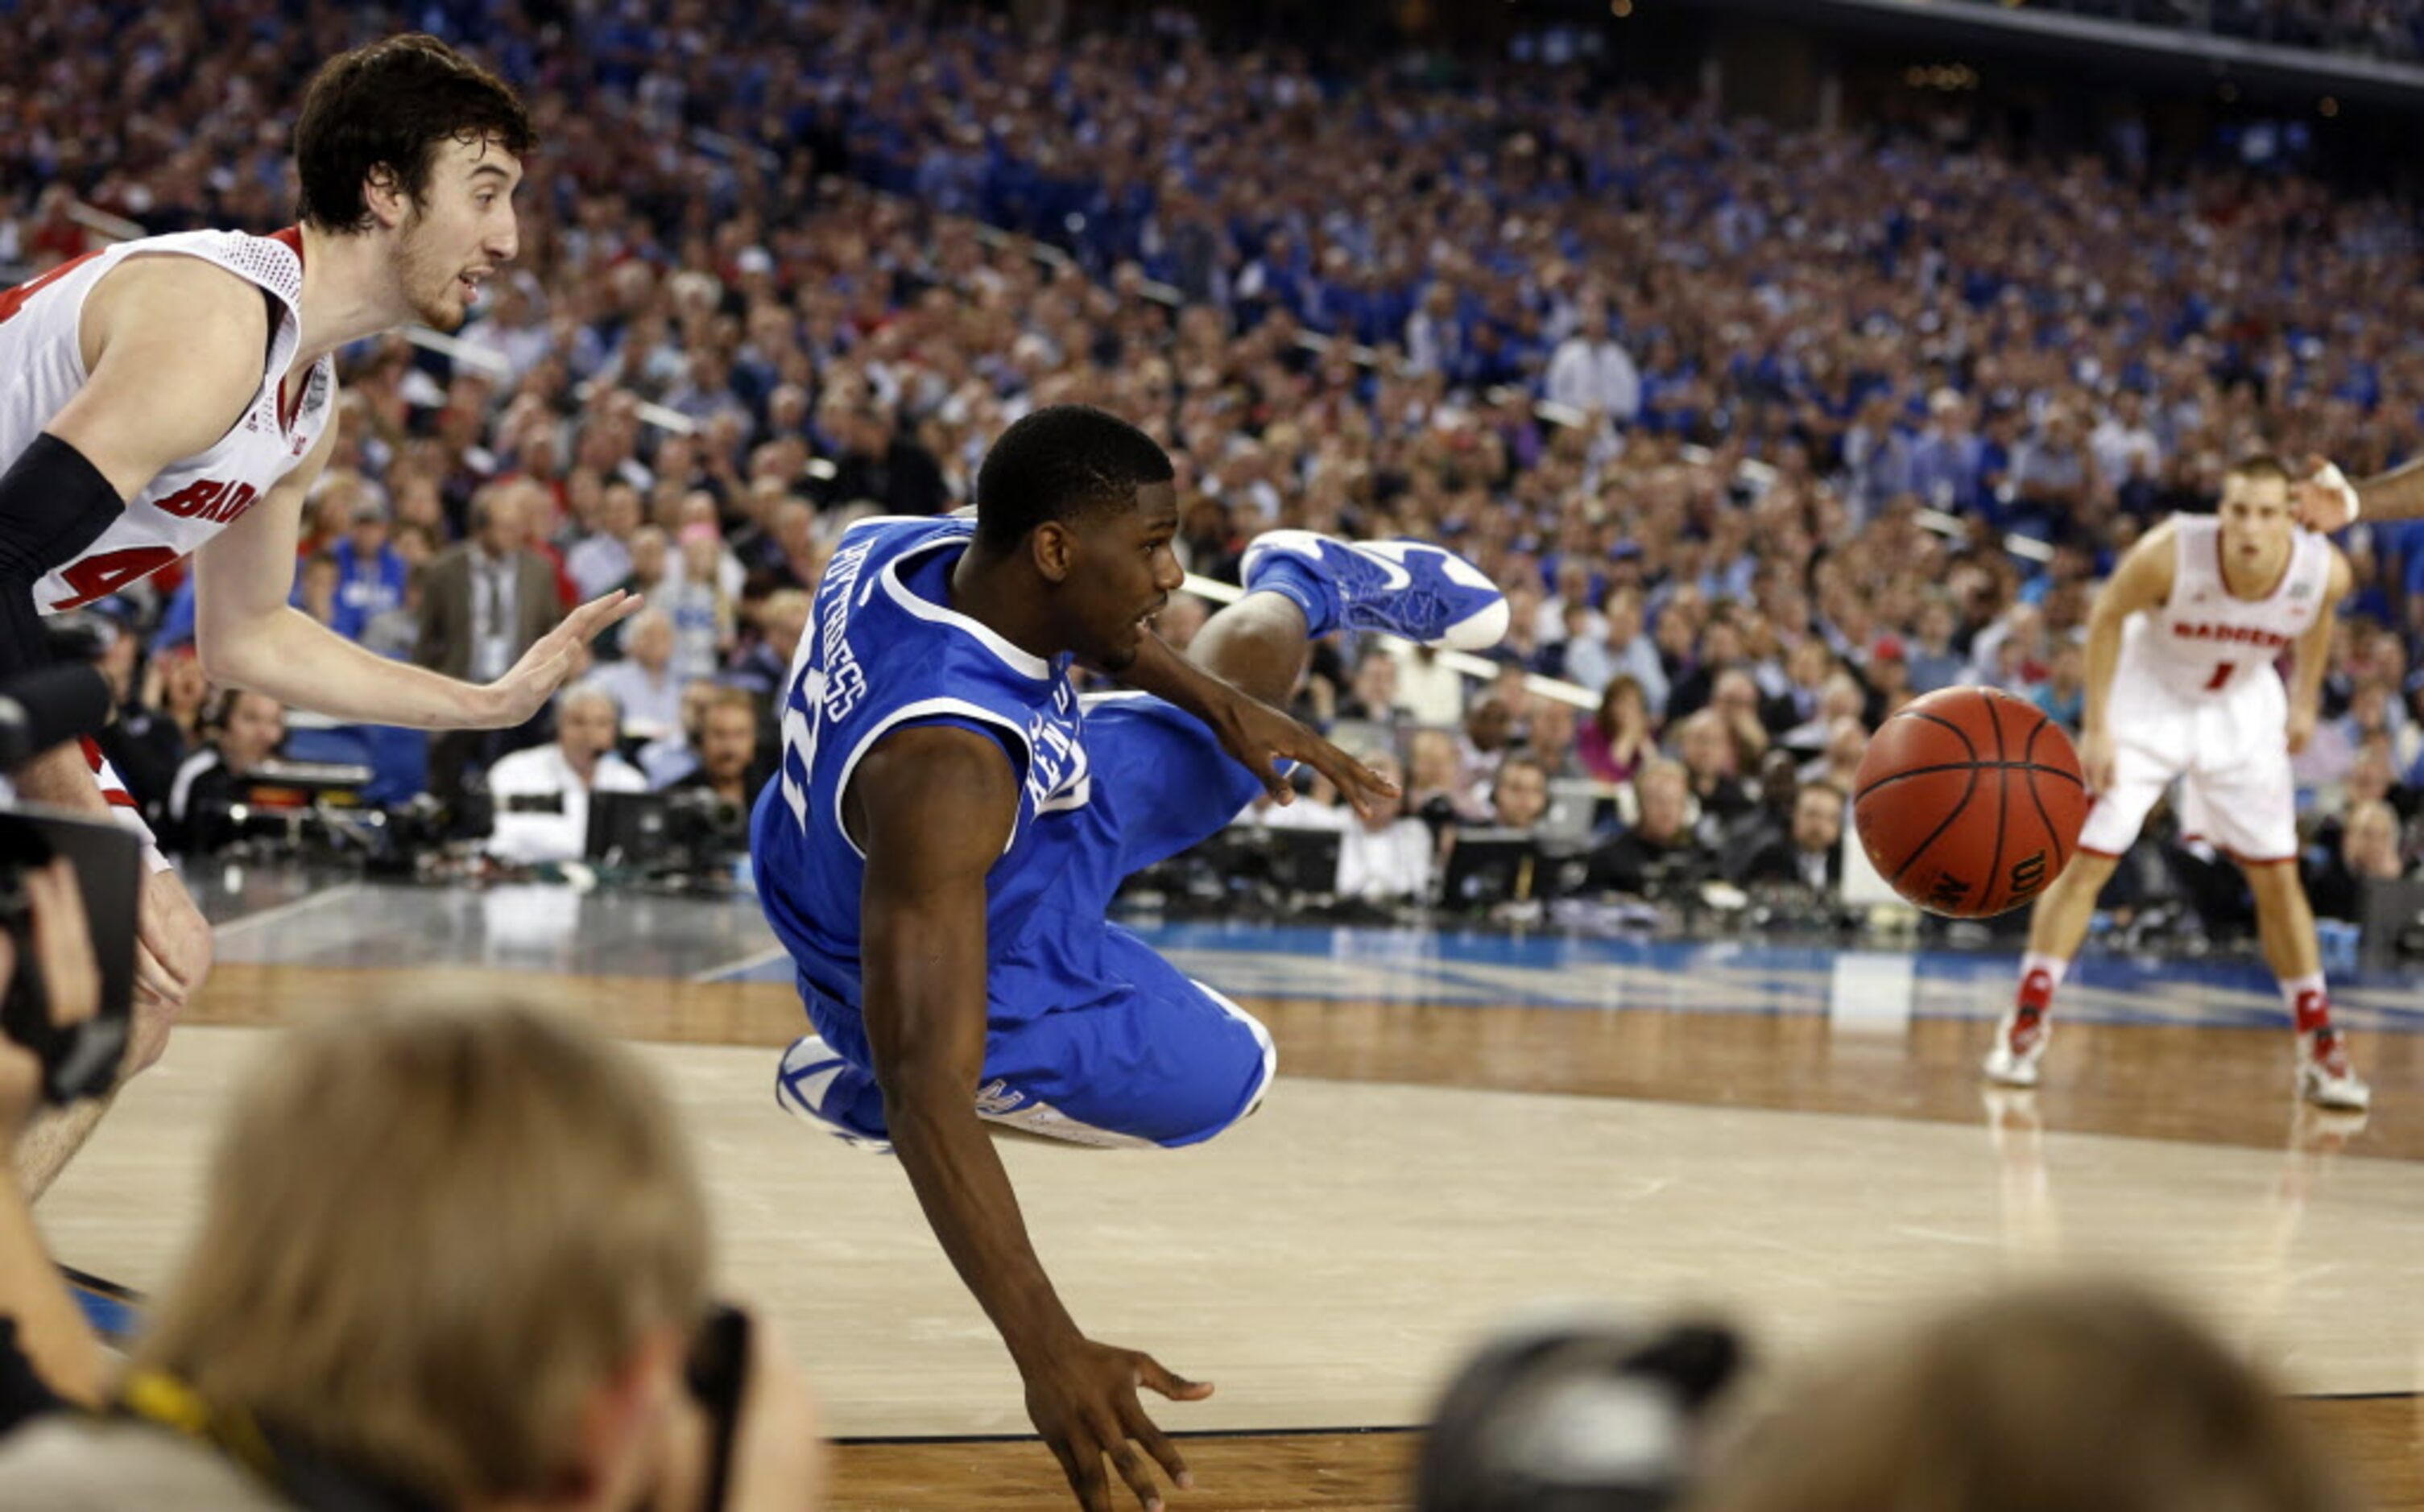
[{"x": 1126, "y": 1049}]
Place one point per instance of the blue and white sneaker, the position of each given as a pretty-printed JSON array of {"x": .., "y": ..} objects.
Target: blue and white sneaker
[
  {"x": 815, "y": 1085},
  {"x": 1411, "y": 589}
]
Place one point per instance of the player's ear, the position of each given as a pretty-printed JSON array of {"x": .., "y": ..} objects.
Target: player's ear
[
  {"x": 1054, "y": 547},
  {"x": 384, "y": 196}
]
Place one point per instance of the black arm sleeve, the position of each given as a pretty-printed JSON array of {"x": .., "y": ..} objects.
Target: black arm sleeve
[
  {"x": 54, "y": 503},
  {"x": 23, "y": 1394}
]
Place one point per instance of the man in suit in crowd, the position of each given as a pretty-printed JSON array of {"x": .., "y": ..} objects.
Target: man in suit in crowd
[{"x": 484, "y": 601}]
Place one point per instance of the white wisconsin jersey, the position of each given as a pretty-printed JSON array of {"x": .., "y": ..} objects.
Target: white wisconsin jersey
[
  {"x": 193, "y": 499},
  {"x": 2202, "y": 639}
]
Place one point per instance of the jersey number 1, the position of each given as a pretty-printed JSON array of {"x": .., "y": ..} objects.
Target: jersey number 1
[{"x": 2222, "y": 671}]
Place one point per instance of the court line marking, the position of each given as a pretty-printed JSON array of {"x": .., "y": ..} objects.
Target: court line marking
[
  {"x": 284, "y": 910},
  {"x": 746, "y": 963}
]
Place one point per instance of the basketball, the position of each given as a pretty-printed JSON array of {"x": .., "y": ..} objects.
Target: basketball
[{"x": 1969, "y": 802}]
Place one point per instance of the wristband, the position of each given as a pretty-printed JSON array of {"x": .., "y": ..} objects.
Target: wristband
[{"x": 2330, "y": 476}]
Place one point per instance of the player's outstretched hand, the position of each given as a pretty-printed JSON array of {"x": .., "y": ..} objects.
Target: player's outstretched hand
[
  {"x": 2096, "y": 760},
  {"x": 551, "y": 660},
  {"x": 172, "y": 955},
  {"x": 1263, "y": 738},
  {"x": 2325, "y": 501},
  {"x": 1083, "y": 1401}
]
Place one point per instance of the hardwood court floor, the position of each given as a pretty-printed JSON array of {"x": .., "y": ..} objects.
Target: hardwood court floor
[{"x": 1426, "y": 1166}]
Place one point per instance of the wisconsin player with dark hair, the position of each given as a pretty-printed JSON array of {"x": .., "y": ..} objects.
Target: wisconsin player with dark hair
[
  {"x": 2180, "y": 684},
  {"x": 175, "y": 396},
  {"x": 950, "y": 820}
]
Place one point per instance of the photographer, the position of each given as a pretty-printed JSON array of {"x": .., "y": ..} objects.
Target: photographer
[
  {"x": 47, "y": 1350},
  {"x": 473, "y": 1285},
  {"x": 243, "y": 730}
]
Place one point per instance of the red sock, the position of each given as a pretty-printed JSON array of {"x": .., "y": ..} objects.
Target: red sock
[
  {"x": 2039, "y": 976},
  {"x": 2309, "y": 1003}
]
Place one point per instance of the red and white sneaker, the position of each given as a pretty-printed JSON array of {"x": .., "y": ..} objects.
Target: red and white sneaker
[
  {"x": 2019, "y": 1044},
  {"x": 2324, "y": 1078}
]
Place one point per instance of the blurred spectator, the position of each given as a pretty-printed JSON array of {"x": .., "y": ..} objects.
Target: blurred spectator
[
  {"x": 542, "y": 794},
  {"x": 317, "y": 1346},
  {"x": 1371, "y": 697},
  {"x": 1709, "y": 757},
  {"x": 1934, "y": 661},
  {"x": 370, "y": 570},
  {"x": 702, "y": 611},
  {"x": 1812, "y": 856},
  {"x": 1428, "y": 691},
  {"x": 316, "y": 584},
  {"x": 1385, "y": 857},
  {"x": 1591, "y": 371},
  {"x": 1622, "y": 652},
  {"x": 1519, "y": 793},
  {"x": 765, "y": 668},
  {"x": 601, "y": 560},
  {"x": 645, "y": 685},
  {"x": 1661, "y": 849},
  {"x": 242, "y": 730},
  {"x": 728, "y": 763},
  {"x": 1847, "y": 742},
  {"x": 874, "y": 459},
  {"x": 483, "y": 603},
  {"x": 1488, "y": 735},
  {"x": 1436, "y": 790},
  {"x": 1616, "y": 741},
  {"x": 164, "y": 726},
  {"x": 673, "y": 755},
  {"x": 2062, "y": 1395},
  {"x": 1550, "y": 739},
  {"x": 2367, "y": 851},
  {"x": 2064, "y": 694}
]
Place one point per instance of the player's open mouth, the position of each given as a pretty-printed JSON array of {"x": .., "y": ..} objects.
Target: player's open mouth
[
  {"x": 1144, "y": 621},
  {"x": 471, "y": 284}
]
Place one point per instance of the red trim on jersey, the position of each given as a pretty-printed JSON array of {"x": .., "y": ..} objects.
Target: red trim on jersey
[
  {"x": 2102, "y": 855},
  {"x": 93, "y": 758},
  {"x": 292, "y": 237}
]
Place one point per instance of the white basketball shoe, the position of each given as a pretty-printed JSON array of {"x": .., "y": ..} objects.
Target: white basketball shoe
[
  {"x": 814, "y": 1085},
  {"x": 2324, "y": 1078}
]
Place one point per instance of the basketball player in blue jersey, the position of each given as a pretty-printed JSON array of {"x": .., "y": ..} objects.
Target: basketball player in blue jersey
[{"x": 950, "y": 820}]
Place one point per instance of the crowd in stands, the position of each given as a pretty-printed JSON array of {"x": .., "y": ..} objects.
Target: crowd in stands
[
  {"x": 1689, "y": 387},
  {"x": 2372, "y": 28}
]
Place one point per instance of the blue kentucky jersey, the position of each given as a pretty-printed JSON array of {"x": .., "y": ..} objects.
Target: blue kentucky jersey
[{"x": 884, "y": 650}]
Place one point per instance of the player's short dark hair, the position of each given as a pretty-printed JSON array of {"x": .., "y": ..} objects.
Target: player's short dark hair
[
  {"x": 1057, "y": 462},
  {"x": 2260, "y": 467},
  {"x": 389, "y": 104}
]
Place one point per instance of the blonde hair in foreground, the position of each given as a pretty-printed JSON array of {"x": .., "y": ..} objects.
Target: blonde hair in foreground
[
  {"x": 431, "y": 1233},
  {"x": 2056, "y": 1398}
]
